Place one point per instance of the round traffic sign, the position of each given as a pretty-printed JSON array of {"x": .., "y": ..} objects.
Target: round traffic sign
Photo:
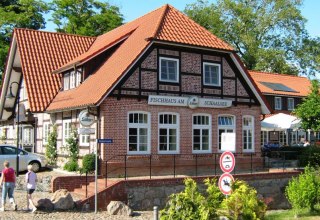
[
  {"x": 225, "y": 182},
  {"x": 227, "y": 162}
]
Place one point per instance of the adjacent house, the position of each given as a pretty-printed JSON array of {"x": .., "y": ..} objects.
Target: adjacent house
[
  {"x": 159, "y": 85},
  {"x": 283, "y": 94}
]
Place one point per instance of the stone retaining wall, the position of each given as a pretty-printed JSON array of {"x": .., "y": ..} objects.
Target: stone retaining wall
[{"x": 145, "y": 195}]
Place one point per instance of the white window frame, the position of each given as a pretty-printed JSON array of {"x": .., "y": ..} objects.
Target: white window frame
[
  {"x": 66, "y": 81},
  {"x": 204, "y": 75},
  {"x": 78, "y": 78},
  {"x": 138, "y": 126},
  {"x": 202, "y": 127},
  {"x": 27, "y": 135},
  {"x": 72, "y": 79},
  {"x": 66, "y": 133},
  {"x": 247, "y": 128},
  {"x": 225, "y": 127},
  {"x": 86, "y": 137},
  {"x": 160, "y": 70},
  {"x": 277, "y": 103},
  {"x": 169, "y": 126},
  {"x": 290, "y": 104},
  {"x": 46, "y": 131}
]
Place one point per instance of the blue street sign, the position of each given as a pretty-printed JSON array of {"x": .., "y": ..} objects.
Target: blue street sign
[{"x": 105, "y": 141}]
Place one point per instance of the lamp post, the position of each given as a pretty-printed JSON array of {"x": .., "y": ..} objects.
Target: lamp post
[{"x": 11, "y": 96}]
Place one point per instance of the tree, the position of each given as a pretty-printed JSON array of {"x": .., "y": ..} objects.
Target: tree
[
  {"x": 309, "y": 110},
  {"x": 269, "y": 35},
  {"x": 18, "y": 14},
  {"x": 85, "y": 17}
]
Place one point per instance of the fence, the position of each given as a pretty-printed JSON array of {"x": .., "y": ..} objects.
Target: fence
[{"x": 177, "y": 165}]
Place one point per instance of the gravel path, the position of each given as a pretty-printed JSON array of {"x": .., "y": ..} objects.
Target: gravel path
[
  {"x": 20, "y": 197},
  {"x": 21, "y": 214}
]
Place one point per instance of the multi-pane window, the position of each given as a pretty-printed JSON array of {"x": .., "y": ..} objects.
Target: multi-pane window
[
  {"x": 168, "y": 133},
  {"x": 277, "y": 103},
  {"x": 66, "y": 82},
  {"x": 78, "y": 78},
  {"x": 247, "y": 133},
  {"x": 290, "y": 104},
  {"x": 27, "y": 138},
  {"x": 211, "y": 74},
  {"x": 84, "y": 139},
  {"x": 201, "y": 133},
  {"x": 225, "y": 125},
  {"x": 139, "y": 132},
  {"x": 169, "y": 69},
  {"x": 46, "y": 131},
  {"x": 72, "y": 80},
  {"x": 66, "y": 130}
]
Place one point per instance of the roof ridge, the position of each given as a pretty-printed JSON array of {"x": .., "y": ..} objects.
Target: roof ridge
[
  {"x": 160, "y": 22},
  {"x": 56, "y": 33},
  {"x": 278, "y": 74}
]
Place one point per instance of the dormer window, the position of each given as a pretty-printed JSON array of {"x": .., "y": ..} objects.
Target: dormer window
[
  {"x": 72, "y": 79},
  {"x": 66, "y": 79}
]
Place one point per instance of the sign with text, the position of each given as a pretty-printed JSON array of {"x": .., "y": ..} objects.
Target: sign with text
[
  {"x": 228, "y": 142},
  {"x": 85, "y": 118},
  {"x": 225, "y": 182},
  {"x": 191, "y": 102},
  {"x": 86, "y": 130},
  {"x": 105, "y": 141},
  {"x": 227, "y": 161}
]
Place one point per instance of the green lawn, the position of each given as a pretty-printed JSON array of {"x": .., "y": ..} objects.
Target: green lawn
[{"x": 288, "y": 214}]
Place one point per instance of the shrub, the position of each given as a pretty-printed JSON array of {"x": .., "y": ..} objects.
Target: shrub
[
  {"x": 72, "y": 145},
  {"x": 191, "y": 204},
  {"x": 71, "y": 166},
  {"x": 51, "y": 147},
  {"x": 302, "y": 191},
  {"x": 243, "y": 202},
  {"x": 88, "y": 163},
  {"x": 184, "y": 205},
  {"x": 310, "y": 156}
]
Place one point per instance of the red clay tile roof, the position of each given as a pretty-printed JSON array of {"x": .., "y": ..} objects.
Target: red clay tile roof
[
  {"x": 171, "y": 26},
  {"x": 300, "y": 84},
  {"x": 41, "y": 52},
  {"x": 165, "y": 23}
]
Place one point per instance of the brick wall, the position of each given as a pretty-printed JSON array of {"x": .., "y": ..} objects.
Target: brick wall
[{"x": 69, "y": 182}]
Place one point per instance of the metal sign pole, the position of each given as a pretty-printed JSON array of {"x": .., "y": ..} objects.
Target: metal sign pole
[{"x": 96, "y": 181}]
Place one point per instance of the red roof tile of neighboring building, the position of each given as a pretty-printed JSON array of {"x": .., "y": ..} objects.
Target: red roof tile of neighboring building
[
  {"x": 300, "y": 84},
  {"x": 165, "y": 24},
  {"x": 41, "y": 52}
]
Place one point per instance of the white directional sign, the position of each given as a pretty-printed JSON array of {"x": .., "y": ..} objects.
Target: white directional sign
[
  {"x": 225, "y": 182},
  {"x": 227, "y": 162}
]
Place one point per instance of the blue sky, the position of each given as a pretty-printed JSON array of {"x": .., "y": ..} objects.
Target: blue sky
[{"x": 132, "y": 9}]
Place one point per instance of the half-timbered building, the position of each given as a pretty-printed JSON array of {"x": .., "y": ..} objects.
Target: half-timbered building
[{"x": 159, "y": 85}]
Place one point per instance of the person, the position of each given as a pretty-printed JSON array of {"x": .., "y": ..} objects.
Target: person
[
  {"x": 306, "y": 144},
  {"x": 31, "y": 179},
  {"x": 8, "y": 182}
]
